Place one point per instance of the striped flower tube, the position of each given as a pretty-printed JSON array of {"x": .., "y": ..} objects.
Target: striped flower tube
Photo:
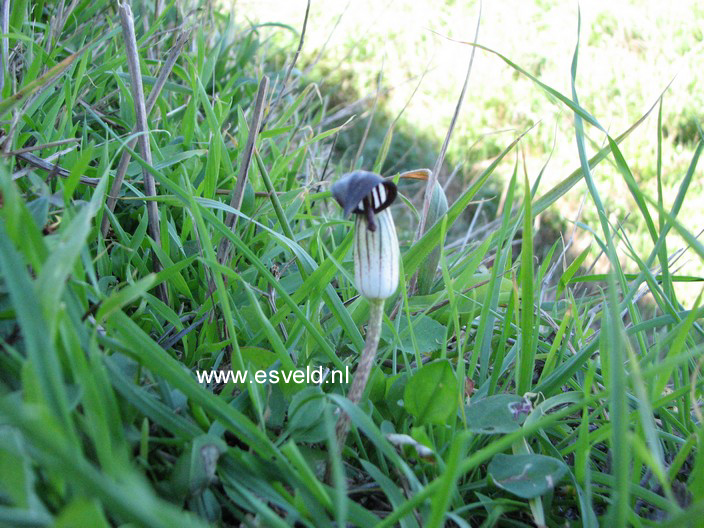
[{"x": 376, "y": 252}]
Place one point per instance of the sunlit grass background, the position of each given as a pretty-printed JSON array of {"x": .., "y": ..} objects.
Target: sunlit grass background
[{"x": 629, "y": 52}]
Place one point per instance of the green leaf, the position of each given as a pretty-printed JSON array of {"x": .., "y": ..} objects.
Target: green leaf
[
  {"x": 428, "y": 334},
  {"x": 496, "y": 414},
  {"x": 141, "y": 347},
  {"x": 305, "y": 415},
  {"x": 696, "y": 480},
  {"x": 194, "y": 471},
  {"x": 77, "y": 170},
  {"x": 570, "y": 271},
  {"x": 58, "y": 267},
  {"x": 525, "y": 362},
  {"x": 40, "y": 350},
  {"x": 39, "y": 209},
  {"x": 273, "y": 132},
  {"x": 392, "y": 491},
  {"x": 259, "y": 358},
  {"x": 18, "y": 483},
  {"x": 527, "y": 476},
  {"x": 431, "y": 394},
  {"x": 82, "y": 512},
  {"x": 125, "y": 296},
  {"x": 274, "y": 340}
]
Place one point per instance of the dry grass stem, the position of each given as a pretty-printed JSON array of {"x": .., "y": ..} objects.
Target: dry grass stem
[
  {"x": 441, "y": 158},
  {"x": 151, "y": 101},
  {"x": 127, "y": 22},
  {"x": 245, "y": 162},
  {"x": 379, "y": 82},
  {"x": 34, "y": 148},
  {"x": 293, "y": 61}
]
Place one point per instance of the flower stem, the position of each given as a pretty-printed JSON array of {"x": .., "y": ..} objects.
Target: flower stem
[
  {"x": 364, "y": 368},
  {"x": 376, "y": 316}
]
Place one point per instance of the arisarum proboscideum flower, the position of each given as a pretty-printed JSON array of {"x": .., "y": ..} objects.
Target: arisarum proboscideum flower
[
  {"x": 376, "y": 254},
  {"x": 376, "y": 262}
]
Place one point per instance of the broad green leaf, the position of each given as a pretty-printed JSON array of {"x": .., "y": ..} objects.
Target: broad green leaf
[
  {"x": 527, "y": 476},
  {"x": 194, "y": 471},
  {"x": 305, "y": 415},
  {"x": 432, "y": 393},
  {"x": 428, "y": 334},
  {"x": 498, "y": 414}
]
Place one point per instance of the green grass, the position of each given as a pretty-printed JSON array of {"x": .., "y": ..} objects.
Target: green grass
[
  {"x": 630, "y": 51},
  {"x": 511, "y": 391}
]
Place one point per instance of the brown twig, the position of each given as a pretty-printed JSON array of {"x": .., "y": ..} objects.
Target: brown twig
[
  {"x": 127, "y": 22},
  {"x": 33, "y": 148},
  {"x": 246, "y": 160},
  {"x": 293, "y": 61},
  {"x": 151, "y": 101},
  {"x": 41, "y": 163}
]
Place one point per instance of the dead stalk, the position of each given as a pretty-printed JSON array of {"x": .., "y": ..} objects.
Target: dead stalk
[
  {"x": 379, "y": 81},
  {"x": 236, "y": 198},
  {"x": 127, "y": 22},
  {"x": 151, "y": 101},
  {"x": 295, "y": 58}
]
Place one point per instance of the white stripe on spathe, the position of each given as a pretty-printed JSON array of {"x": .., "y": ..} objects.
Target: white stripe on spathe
[
  {"x": 378, "y": 195},
  {"x": 376, "y": 257},
  {"x": 381, "y": 190}
]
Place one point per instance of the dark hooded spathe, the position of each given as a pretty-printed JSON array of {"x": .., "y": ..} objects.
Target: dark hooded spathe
[{"x": 352, "y": 188}]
